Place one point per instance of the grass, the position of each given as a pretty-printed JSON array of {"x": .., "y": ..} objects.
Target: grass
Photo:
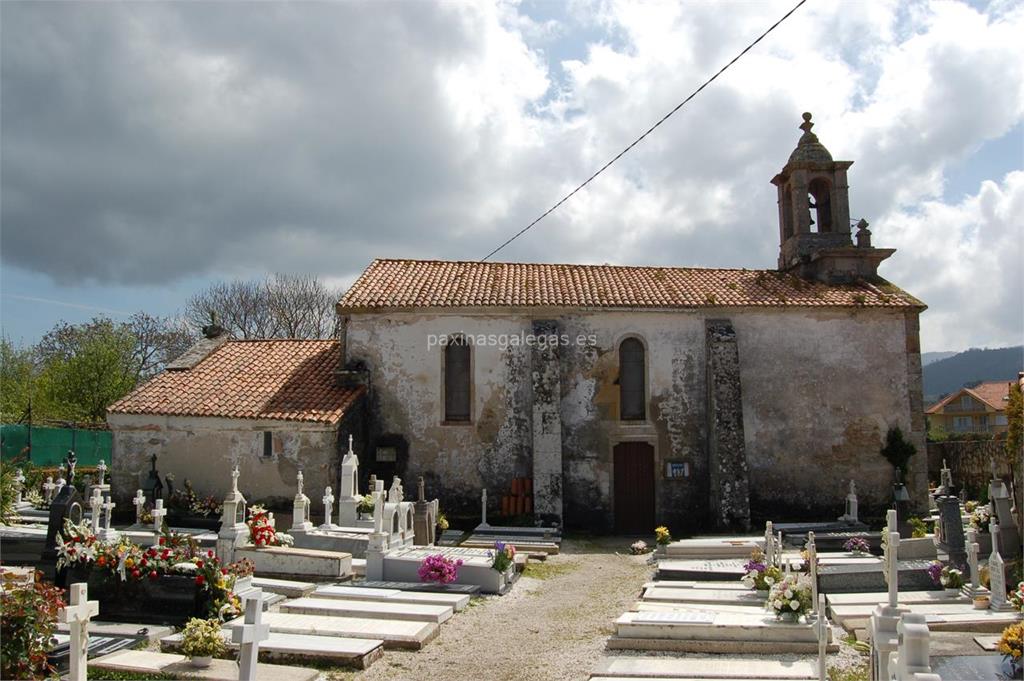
[
  {"x": 111, "y": 675},
  {"x": 547, "y": 569},
  {"x": 858, "y": 673}
]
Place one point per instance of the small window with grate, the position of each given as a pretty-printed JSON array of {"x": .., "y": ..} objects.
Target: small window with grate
[{"x": 632, "y": 389}]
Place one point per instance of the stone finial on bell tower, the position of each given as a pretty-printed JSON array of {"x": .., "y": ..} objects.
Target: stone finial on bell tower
[{"x": 815, "y": 240}]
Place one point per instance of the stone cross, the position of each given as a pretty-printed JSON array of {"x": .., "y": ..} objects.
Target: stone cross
[
  {"x": 972, "y": 562},
  {"x": 95, "y": 502},
  {"x": 140, "y": 505},
  {"x": 249, "y": 635},
  {"x": 350, "y": 445},
  {"x": 108, "y": 533},
  {"x": 892, "y": 557},
  {"x": 19, "y": 484},
  {"x": 850, "y": 515},
  {"x": 101, "y": 471},
  {"x": 945, "y": 478},
  {"x": 378, "y": 511},
  {"x": 769, "y": 543},
  {"x": 234, "y": 480},
  {"x": 822, "y": 630},
  {"x": 912, "y": 662},
  {"x": 812, "y": 570},
  {"x": 48, "y": 487},
  {"x": 483, "y": 508},
  {"x": 158, "y": 514},
  {"x": 328, "y": 507},
  {"x": 421, "y": 491},
  {"x": 77, "y": 616}
]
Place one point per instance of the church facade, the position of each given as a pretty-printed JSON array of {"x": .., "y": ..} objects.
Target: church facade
[{"x": 635, "y": 396}]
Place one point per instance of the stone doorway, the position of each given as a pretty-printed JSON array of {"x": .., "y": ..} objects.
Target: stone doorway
[{"x": 634, "y": 487}]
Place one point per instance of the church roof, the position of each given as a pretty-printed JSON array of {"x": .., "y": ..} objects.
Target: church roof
[
  {"x": 423, "y": 284},
  {"x": 284, "y": 380}
]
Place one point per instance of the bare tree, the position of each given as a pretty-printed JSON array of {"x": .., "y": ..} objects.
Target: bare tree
[{"x": 280, "y": 306}]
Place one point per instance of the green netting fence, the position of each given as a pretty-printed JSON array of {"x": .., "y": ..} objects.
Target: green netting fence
[{"x": 51, "y": 445}]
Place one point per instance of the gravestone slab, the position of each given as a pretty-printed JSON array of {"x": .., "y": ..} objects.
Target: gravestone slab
[
  {"x": 719, "y": 666},
  {"x": 396, "y": 634},
  {"x": 59, "y": 655},
  {"x": 396, "y": 611},
  {"x": 470, "y": 589},
  {"x": 456, "y": 601},
  {"x": 968, "y": 667}
]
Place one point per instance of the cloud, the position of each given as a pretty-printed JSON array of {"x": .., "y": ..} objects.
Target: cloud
[{"x": 148, "y": 143}]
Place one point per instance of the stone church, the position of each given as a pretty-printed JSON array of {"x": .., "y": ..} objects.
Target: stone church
[{"x": 631, "y": 396}]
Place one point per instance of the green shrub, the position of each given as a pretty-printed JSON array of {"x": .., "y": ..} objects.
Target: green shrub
[
  {"x": 28, "y": 619},
  {"x": 897, "y": 451}
]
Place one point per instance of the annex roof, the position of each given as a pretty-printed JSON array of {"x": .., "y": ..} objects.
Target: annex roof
[
  {"x": 287, "y": 380},
  {"x": 409, "y": 284}
]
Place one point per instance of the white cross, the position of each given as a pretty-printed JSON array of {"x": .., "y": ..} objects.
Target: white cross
[
  {"x": 234, "y": 480},
  {"x": 48, "y": 488},
  {"x": 891, "y": 558},
  {"x": 19, "y": 480},
  {"x": 101, "y": 469},
  {"x": 249, "y": 635},
  {"x": 77, "y": 616},
  {"x": 350, "y": 445},
  {"x": 95, "y": 502},
  {"x": 108, "y": 507},
  {"x": 158, "y": 514},
  {"x": 140, "y": 503}
]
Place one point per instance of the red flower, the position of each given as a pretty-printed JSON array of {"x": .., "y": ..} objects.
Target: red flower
[
  {"x": 136, "y": 574},
  {"x": 162, "y": 540},
  {"x": 200, "y": 580},
  {"x": 167, "y": 552},
  {"x": 223, "y": 571},
  {"x": 143, "y": 562},
  {"x": 153, "y": 575},
  {"x": 209, "y": 554},
  {"x": 199, "y": 564}
]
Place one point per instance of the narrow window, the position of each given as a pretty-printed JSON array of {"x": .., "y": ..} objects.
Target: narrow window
[
  {"x": 820, "y": 202},
  {"x": 268, "y": 443},
  {"x": 631, "y": 380},
  {"x": 456, "y": 380}
]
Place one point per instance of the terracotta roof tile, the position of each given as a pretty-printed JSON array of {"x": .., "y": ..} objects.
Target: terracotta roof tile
[
  {"x": 403, "y": 284},
  {"x": 992, "y": 393},
  {"x": 287, "y": 380}
]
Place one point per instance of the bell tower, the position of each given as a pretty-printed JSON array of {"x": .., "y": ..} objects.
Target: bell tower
[{"x": 814, "y": 217}]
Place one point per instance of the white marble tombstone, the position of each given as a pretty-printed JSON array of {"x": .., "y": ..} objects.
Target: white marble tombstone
[
  {"x": 850, "y": 516},
  {"x": 77, "y": 615},
  {"x": 377, "y": 544},
  {"x": 997, "y": 573},
  {"x": 912, "y": 657},
  {"x": 885, "y": 618},
  {"x": 348, "y": 493},
  {"x": 974, "y": 588},
  {"x": 769, "y": 543},
  {"x": 233, "y": 530},
  {"x": 48, "y": 488},
  {"x": 158, "y": 514},
  {"x": 821, "y": 628},
  {"x": 95, "y": 503},
  {"x": 101, "y": 472},
  {"x": 300, "y": 509},
  {"x": 107, "y": 532},
  {"x": 140, "y": 506},
  {"x": 328, "y": 500},
  {"x": 249, "y": 634}
]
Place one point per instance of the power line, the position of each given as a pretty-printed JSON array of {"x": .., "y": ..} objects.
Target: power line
[{"x": 649, "y": 130}]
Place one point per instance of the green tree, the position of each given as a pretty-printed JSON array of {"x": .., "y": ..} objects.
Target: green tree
[
  {"x": 98, "y": 370},
  {"x": 897, "y": 451},
  {"x": 17, "y": 378},
  {"x": 1014, "y": 443}
]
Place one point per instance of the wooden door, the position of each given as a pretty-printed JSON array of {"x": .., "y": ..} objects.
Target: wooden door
[{"x": 634, "y": 488}]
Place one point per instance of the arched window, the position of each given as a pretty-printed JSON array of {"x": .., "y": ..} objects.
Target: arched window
[
  {"x": 820, "y": 201},
  {"x": 456, "y": 380},
  {"x": 632, "y": 393}
]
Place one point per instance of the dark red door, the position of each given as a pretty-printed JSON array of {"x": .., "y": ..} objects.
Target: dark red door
[{"x": 634, "y": 488}]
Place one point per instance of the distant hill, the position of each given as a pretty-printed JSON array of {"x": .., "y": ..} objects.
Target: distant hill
[
  {"x": 931, "y": 357},
  {"x": 948, "y": 375}
]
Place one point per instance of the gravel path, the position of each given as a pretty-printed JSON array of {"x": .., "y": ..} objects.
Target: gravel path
[{"x": 548, "y": 628}]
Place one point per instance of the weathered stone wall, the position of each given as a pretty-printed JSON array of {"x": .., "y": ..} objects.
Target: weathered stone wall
[
  {"x": 819, "y": 390},
  {"x": 204, "y": 450}
]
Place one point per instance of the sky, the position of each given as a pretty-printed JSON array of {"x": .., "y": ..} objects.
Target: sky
[{"x": 149, "y": 149}]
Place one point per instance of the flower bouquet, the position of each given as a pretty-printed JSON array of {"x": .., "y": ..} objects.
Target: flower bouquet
[
  {"x": 262, "y": 533},
  {"x": 638, "y": 547},
  {"x": 790, "y": 598},
  {"x": 201, "y": 640},
  {"x": 503, "y": 556},
  {"x": 662, "y": 535},
  {"x": 1017, "y": 597},
  {"x": 946, "y": 576},
  {"x": 760, "y": 577},
  {"x": 857, "y": 545},
  {"x": 437, "y": 568},
  {"x": 980, "y": 519},
  {"x": 1011, "y": 645}
]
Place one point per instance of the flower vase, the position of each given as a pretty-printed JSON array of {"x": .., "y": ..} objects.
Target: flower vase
[
  {"x": 201, "y": 661},
  {"x": 789, "y": 617}
]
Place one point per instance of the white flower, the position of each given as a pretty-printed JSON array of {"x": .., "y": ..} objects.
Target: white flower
[
  {"x": 748, "y": 582},
  {"x": 769, "y": 580},
  {"x": 752, "y": 574},
  {"x": 788, "y": 593},
  {"x": 795, "y": 605},
  {"x": 778, "y": 604}
]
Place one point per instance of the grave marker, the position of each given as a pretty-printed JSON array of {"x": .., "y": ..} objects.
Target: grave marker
[
  {"x": 822, "y": 630},
  {"x": 108, "y": 533},
  {"x": 328, "y": 500},
  {"x": 975, "y": 588},
  {"x": 850, "y": 515},
  {"x": 912, "y": 659},
  {"x": 48, "y": 488},
  {"x": 812, "y": 570},
  {"x": 348, "y": 492},
  {"x": 769, "y": 543},
  {"x": 95, "y": 503},
  {"x": 101, "y": 471},
  {"x": 233, "y": 530},
  {"x": 885, "y": 619},
  {"x": 19, "y": 485},
  {"x": 77, "y": 615},
  {"x": 300, "y": 509},
  {"x": 483, "y": 508},
  {"x": 952, "y": 523},
  {"x": 140, "y": 506},
  {"x": 997, "y": 573},
  {"x": 158, "y": 514},
  {"x": 249, "y": 635}
]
